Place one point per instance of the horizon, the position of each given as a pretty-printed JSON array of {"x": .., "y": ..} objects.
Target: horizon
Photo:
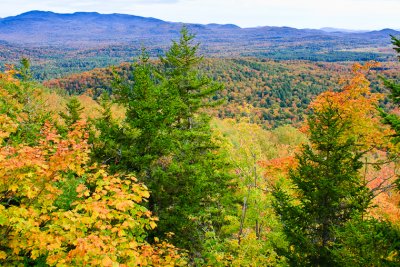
[
  {"x": 307, "y": 14},
  {"x": 184, "y": 22}
]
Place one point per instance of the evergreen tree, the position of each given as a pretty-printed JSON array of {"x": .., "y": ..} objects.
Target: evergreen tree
[
  {"x": 328, "y": 192},
  {"x": 107, "y": 140},
  {"x": 368, "y": 242},
  {"x": 74, "y": 111},
  {"x": 167, "y": 142},
  {"x": 393, "y": 119},
  {"x": 149, "y": 117},
  {"x": 182, "y": 78},
  {"x": 24, "y": 71}
]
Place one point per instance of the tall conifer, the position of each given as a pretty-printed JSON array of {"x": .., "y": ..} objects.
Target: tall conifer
[{"x": 328, "y": 191}]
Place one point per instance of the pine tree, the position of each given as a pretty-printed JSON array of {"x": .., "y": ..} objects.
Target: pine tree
[
  {"x": 149, "y": 111},
  {"x": 368, "y": 242},
  {"x": 193, "y": 180},
  {"x": 328, "y": 191},
  {"x": 392, "y": 119},
  {"x": 74, "y": 111},
  {"x": 24, "y": 71},
  {"x": 389, "y": 118},
  {"x": 167, "y": 142},
  {"x": 107, "y": 138},
  {"x": 183, "y": 79}
]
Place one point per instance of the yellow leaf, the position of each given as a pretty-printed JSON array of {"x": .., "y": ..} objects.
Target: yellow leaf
[
  {"x": 153, "y": 225},
  {"x": 145, "y": 194},
  {"x": 107, "y": 261},
  {"x": 35, "y": 254}
]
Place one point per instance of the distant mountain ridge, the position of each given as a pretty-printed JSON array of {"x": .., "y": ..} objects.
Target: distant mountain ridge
[
  {"x": 45, "y": 27},
  {"x": 85, "y": 40},
  {"x": 330, "y": 29},
  {"x": 49, "y": 28}
]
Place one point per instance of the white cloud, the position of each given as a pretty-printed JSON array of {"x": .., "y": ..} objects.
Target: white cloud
[{"x": 157, "y": 1}]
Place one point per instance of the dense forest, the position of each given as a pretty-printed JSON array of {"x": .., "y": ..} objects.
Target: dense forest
[
  {"x": 93, "y": 40},
  {"x": 272, "y": 92},
  {"x": 192, "y": 161}
]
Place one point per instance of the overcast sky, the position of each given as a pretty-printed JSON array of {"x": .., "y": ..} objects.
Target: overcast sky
[{"x": 350, "y": 14}]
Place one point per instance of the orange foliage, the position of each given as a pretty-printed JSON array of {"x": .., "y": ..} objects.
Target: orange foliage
[
  {"x": 104, "y": 226},
  {"x": 358, "y": 106},
  {"x": 277, "y": 166},
  {"x": 8, "y": 125}
]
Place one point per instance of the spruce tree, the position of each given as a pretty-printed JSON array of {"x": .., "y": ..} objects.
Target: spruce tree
[
  {"x": 367, "y": 242},
  {"x": 183, "y": 79},
  {"x": 73, "y": 112},
  {"x": 167, "y": 142},
  {"x": 24, "y": 71},
  {"x": 392, "y": 119},
  {"x": 144, "y": 136},
  {"x": 327, "y": 193}
]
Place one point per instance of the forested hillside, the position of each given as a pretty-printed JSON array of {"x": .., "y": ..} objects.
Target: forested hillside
[
  {"x": 186, "y": 161},
  {"x": 272, "y": 92},
  {"x": 60, "y": 44}
]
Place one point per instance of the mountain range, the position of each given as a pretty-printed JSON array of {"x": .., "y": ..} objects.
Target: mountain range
[
  {"x": 41, "y": 28},
  {"x": 85, "y": 40}
]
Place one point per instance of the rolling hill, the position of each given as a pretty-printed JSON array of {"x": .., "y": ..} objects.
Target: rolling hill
[
  {"x": 47, "y": 28},
  {"x": 62, "y": 44}
]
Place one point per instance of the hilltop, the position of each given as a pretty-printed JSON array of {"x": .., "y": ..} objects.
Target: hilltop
[{"x": 99, "y": 40}]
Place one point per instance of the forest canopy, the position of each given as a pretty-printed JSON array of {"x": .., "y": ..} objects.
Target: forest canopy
[{"x": 174, "y": 162}]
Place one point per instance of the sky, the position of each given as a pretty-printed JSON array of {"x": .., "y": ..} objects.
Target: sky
[{"x": 346, "y": 14}]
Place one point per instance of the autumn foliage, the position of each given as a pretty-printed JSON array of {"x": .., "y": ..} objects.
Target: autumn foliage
[
  {"x": 358, "y": 105},
  {"x": 82, "y": 178},
  {"x": 57, "y": 208}
]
